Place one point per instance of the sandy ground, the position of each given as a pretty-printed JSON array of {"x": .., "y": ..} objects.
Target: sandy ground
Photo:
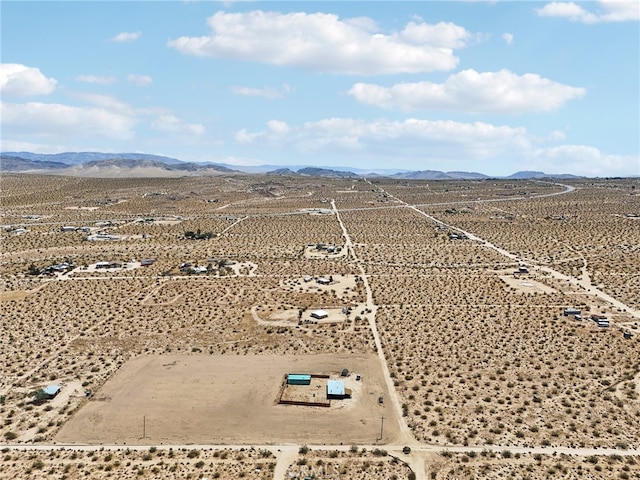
[
  {"x": 526, "y": 284},
  {"x": 205, "y": 399}
]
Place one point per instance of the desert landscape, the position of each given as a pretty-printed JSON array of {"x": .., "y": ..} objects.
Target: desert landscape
[{"x": 488, "y": 328}]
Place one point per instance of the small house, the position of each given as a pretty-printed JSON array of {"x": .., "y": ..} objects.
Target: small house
[
  {"x": 102, "y": 237},
  {"x": 52, "y": 390},
  {"x": 323, "y": 281},
  {"x": 68, "y": 228},
  {"x": 319, "y": 314},
  {"x": 108, "y": 265},
  {"x": 571, "y": 311},
  {"x": 335, "y": 389}
]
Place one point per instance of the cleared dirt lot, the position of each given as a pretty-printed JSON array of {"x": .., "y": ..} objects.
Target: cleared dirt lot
[{"x": 229, "y": 400}]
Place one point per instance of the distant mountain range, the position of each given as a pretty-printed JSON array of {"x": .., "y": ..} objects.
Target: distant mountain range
[
  {"x": 97, "y": 164},
  {"x": 93, "y": 164},
  {"x": 74, "y": 158}
]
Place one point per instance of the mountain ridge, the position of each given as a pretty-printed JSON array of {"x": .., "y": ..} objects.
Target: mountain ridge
[{"x": 138, "y": 164}]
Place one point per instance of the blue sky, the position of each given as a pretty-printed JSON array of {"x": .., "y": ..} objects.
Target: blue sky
[{"x": 492, "y": 87}]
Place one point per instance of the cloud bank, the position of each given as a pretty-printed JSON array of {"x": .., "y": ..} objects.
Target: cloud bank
[
  {"x": 469, "y": 91},
  {"x": 322, "y": 42},
  {"x": 419, "y": 144}
]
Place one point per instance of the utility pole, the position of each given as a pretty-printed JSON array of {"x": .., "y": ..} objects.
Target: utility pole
[
  {"x": 144, "y": 426},
  {"x": 381, "y": 425}
]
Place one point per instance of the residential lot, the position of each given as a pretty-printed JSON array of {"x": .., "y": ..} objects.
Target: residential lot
[{"x": 217, "y": 399}]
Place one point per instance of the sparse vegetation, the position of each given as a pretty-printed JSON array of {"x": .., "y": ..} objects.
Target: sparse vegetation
[{"x": 477, "y": 354}]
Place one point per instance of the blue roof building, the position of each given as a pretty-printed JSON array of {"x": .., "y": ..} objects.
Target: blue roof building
[
  {"x": 52, "y": 390},
  {"x": 335, "y": 389},
  {"x": 298, "y": 379}
]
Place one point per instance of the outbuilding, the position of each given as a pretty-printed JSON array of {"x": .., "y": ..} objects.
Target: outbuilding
[{"x": 298, "y": 379}]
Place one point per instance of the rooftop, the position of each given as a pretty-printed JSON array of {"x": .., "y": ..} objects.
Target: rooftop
[{"x": 335, "y": 387}]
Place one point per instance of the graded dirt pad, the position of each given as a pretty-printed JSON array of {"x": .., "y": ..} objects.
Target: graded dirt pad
[
  {"x": 230, "y": 400},
  {"x": 526, "y": 284}
]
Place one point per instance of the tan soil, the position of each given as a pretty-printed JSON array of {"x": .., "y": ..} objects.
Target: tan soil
[{"x": 228, "y": 399}]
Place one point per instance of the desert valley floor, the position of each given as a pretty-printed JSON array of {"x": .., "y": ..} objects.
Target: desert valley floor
[{"x": 476, "y": 329}]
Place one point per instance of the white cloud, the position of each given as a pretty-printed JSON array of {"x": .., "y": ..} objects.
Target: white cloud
[
  {"x": 443, "y": 34},
  {"x": 568, "y": 10},
  {"x": 52, "y": 119},
  {"x": 620, "y": 10},
  {"x": 266, "y": 92},
  {"x": 472, "y": 92},
  {"x": 507, "y": 37},
  {"x": 108, "y": 102},
  {"x": 21, "y": 81},
  {"x": 22, "y": 146},
  {"x": 582, "y": 160},
  {"x": 124, "y": 37},
  {"x": 140, "y": 80},
  {"x": 557, "y": 135},
  {"x": 172, "y": 124},
  {"x": 278, "y": 127},
  {"x": 406, "y": 138},
  {"x": 610, "y": 11},
  {"x": 99, "y": 80},
  {"x": 325, "y": 43}
]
